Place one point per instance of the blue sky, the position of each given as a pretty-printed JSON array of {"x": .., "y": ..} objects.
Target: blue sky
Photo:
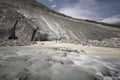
[{"x": 99, "y": 10}]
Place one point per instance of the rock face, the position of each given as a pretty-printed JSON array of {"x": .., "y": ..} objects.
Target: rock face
[{"x": 27, "y": 20}]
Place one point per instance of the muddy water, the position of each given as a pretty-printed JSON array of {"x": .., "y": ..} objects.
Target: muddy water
[{"x": 21, "y": 63}]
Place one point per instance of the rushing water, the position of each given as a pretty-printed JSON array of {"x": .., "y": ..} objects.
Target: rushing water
[{"x": 35, "y": 64}]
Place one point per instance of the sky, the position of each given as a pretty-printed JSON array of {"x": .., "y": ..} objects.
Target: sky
[{"x": 99, "y": 10}]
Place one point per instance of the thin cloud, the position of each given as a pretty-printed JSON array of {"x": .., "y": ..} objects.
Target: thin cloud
[
  {"x": 53, "y": 6},
  {"x": 53, "y": 3},
  {"x": 98, "y": 10},
  {"x": 77, "y": 10},
  {"x": 91, "y": 9},
  {"x": 51, "y": 0},
  {"x": 113, "y": 19},
  {"x": 73, "y": 12}
]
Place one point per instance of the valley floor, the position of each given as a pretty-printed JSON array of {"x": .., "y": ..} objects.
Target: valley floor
[{"x": 59, "y": 61}]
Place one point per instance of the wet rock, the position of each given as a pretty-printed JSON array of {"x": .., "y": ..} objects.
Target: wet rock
[
  {"x": 118, "y": 78},
  {"x": 0, "y": 65},
  {"x": 61, "y": 62},
  {"x": 99, "y": 76},
  {"x": 83, "y": 52},
  {"x": 68, "y": 62},
  {"x": 42, "y": 43},
  {"x": 23, "y": 75},
  {"x": 64, "y": 55},
  {"x": 50, "y": 59},
  {"x": 107, "y": 78},
  {"x": 66, "y": 49},
  {"x": 103, "y": 69}
]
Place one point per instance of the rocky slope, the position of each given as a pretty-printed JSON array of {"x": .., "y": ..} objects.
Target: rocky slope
[{"x": 27, "y": 20}]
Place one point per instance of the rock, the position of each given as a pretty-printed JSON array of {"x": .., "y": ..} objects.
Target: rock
[
  {"x": 83, "y": 52},
  {"x": 68, "y": 62},
  {"x": 42, "y": 43},
  {"x": 99, "y": 76},
  {"x": 118, "y": 78},
  {"x": 23, "y": 77},
  {"x": 0, "y": 65},
  {"x": 64, "y": 55},
  {"x": 107, "y": 78}
]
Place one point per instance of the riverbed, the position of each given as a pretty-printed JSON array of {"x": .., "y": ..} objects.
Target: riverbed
[{"x": 41, "y": 62}]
